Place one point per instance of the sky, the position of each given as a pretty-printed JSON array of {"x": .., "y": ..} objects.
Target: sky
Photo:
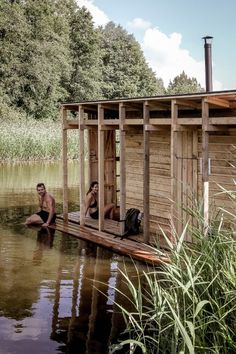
[{"x": 170, "y": 34}]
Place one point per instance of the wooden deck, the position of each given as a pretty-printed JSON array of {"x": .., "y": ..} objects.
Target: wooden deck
[
  {"x": 128, "y": 246},
  {"x": 110, "y": 226}
]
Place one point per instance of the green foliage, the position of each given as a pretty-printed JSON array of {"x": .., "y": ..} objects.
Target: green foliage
[
  {"x": 125, "y": 71},
  {"x": 85, "y": 79},
  {"x": 183, "y": 84},
  {"x": 51, "y": 52},
  {"x": 189, "y": 305},
  {"x": 35, "y": 55}
]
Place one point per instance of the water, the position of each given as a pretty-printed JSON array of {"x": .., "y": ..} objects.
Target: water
[{"x": 52, "y": 285}]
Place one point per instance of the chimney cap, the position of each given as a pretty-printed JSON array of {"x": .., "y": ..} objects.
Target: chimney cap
[{"x": 208, "y": 39}]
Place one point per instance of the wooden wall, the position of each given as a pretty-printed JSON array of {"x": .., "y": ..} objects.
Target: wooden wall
[
  {"x": 160, "y": 183},
  {"x": 222, "y": 154}
]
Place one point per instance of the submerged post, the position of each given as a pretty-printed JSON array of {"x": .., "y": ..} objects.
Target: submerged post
[{"x": 208, "y": 62}]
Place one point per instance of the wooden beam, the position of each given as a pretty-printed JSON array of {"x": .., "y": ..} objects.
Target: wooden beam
[
  {"x": 223, "y": 120},
  {"x": 205, "y": 162},
  {"x": 65, "y": 166},
  {"x": 146, "y": 174},
  {"x": 185, "y": 128},
  {"x": 158, "y": 104},
  {"x": 133, "y": 121},
  {"x": 133, "y": 106},
  {"x": 190, "y": 121},
  {"x": 110, "y": 106},
  {"x": 151, "y": 127},
  {"x": 110, "y": 124},
  {"x": 122, "y": 168},
  {"x": 101, "y": 167},
  {"x": 188, "y": 103},
  {"x": 173, "y": 156},
  {"x": 81, "y": 160},
  {"x": 160, "y": 121},
  {"x": 219, "y": 102}
]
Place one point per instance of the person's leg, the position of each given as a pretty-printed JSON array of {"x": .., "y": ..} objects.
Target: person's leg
[
  {"x": 34, "y": 220},
  {"x": 109, "y": 211}
]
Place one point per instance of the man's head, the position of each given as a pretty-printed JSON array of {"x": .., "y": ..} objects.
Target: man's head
[{"x": 41, "y": 189}]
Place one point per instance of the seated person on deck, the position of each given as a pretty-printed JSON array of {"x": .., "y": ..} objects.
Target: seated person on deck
[
  {"x": 91, "y": 204},
  {"x": 47, "y": 214}
]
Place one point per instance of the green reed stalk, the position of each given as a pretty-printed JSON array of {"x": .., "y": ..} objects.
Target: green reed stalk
[
  {"x": 189, "y": 305},
  {"x": 28, "y": 139}
]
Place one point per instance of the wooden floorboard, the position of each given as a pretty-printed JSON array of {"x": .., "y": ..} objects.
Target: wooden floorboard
[
  {"x": 128, "y": 247},
  {"x": 110, "y": 226}
]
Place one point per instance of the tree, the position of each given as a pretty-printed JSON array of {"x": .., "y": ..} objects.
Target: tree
[
  {"x": 35, "y": 57},
  {"x": 47, "y": 57},
  {"x": 85, "y": 79},
  {"x": 183, "y": 84},
  {"x": 125, "y": 71},
  {"x": 14, "y": 36}
]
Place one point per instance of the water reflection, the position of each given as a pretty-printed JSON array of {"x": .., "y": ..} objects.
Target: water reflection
[
  {"x": 18, "y": 196},
  {"x": 45, "y": 239},
  {"x": 52, "y": 285},
  {"x": 48, "y": 297}
]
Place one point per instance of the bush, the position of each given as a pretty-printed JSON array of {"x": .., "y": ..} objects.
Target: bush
[{"x": 189, "y": 305}]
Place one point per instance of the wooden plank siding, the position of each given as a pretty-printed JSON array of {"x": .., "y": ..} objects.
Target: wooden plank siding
[{"x": 174, "y": 152}]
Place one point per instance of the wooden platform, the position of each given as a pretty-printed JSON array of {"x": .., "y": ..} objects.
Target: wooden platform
[
  {"x": 110, "y": 226},
  {"x": 128, "y": 247}
]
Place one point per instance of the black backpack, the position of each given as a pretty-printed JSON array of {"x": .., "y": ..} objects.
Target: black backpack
[{"x": 132, "y": 222}]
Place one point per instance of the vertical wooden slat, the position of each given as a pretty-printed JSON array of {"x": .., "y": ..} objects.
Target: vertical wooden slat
[
  {"x": 146, "y": 174},
  {"x": 81, "y": 160},
  {"x": 101, "y": 166},
  {"x": 205, "y": 163},
  {"x": 185, "y": 175},
  {"x": 109, "y": 166},
  {"x": 195, "y": 170},
  {"x": 93, "y": 154},
  {"x": 174, "y": 163},
  {"x": 195, "y": 163},
  {"x": 122, "y": 168},
  {"x": 65, "y": 166}
]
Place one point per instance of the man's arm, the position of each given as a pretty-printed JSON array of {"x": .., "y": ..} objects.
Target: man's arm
[{"x": 51, "y": 210}]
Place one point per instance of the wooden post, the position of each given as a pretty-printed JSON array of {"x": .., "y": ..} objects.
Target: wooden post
[
  {"x": 205, "y": 163},
  {"x": 81, "y": 160},
  {"x": 174, "y": 148},
  {"x": 122, "y": 168},
  {"x": 146, "y": 173},
  {"x": 101, "y": 167},
  {"x": 64, "y": 164}
]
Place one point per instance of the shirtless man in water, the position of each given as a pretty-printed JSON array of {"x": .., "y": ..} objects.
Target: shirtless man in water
[{"x": 47, "y": 213}]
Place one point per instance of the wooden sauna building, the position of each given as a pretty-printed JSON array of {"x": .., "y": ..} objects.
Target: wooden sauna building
[{"x": 158, "y": 154}]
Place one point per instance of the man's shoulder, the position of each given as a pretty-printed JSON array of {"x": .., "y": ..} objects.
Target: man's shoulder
[{"x": 49, "y": 196}]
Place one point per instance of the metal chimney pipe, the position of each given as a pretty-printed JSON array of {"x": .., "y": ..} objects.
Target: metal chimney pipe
[{"x": 208, "y": 62}]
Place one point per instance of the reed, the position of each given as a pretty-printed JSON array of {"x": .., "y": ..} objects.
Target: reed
[
  {"x": 189, "y": 305},
  {"x": 29, "y": 139}
]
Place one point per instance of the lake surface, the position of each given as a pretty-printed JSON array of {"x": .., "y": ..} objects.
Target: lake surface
[{"x": 52, "y": 285}]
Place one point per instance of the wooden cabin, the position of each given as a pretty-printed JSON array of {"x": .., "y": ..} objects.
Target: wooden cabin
[{"x": 158, "y": 154}]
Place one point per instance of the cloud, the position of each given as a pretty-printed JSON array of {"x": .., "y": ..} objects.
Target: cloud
[
  {"x": 163, "y": 52},
  {"x": 138, "y": 23},
  {"x": 166, "y": 57},
  {"x": 99, "y": 16}
]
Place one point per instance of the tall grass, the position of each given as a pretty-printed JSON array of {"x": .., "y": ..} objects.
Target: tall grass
[
  {"x": 25, "y": 139},
  {"x": 189, "y": 305}
]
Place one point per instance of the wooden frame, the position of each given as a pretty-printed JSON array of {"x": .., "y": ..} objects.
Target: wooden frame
[{"x": 170, "y": 157}]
